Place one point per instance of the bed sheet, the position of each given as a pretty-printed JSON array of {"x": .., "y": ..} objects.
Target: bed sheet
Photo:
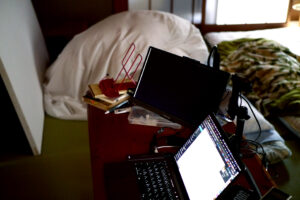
[{"x": 98, "y": 51}]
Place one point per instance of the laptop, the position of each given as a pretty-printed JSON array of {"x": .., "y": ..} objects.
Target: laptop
[
  {"x": 179, "y": 88},
  {"x": 202, "y": 169}
]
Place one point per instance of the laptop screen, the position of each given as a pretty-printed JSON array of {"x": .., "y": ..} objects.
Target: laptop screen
[
  {"x": 205, "y": 162},
  {"x": 179, "y": 88}
]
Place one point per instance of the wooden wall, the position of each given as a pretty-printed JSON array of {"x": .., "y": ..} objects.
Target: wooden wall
[{"x": 60, "y": 20}]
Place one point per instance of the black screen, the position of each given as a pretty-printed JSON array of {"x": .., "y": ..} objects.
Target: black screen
[{"x": 179, "y": 88}]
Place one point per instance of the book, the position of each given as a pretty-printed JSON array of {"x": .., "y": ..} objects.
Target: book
[
  {"x": 88, "y": 98},
  {"x": 103, "y": 105},
  {"x": 97, "y": 94}
]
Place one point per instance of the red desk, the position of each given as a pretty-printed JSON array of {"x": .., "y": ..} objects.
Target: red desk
[{"x": 112, "y": 139}]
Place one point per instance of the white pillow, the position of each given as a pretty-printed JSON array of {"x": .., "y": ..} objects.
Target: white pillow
[{"x": 98, "y": 51}]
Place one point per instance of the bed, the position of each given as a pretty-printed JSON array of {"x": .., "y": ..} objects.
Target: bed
[
  {"x": 280, "y": 97},
  {"x": 97, "y": 53}
]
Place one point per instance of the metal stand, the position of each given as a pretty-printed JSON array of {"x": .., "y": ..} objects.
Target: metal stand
[
  {"x": 241, "y": 113},
  {"x": 242, "y": 116}
]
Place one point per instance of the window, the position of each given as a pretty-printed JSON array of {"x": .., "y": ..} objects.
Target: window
[
  {"x": 246, "y": 11},
  {"x": 187, "y": 9}
]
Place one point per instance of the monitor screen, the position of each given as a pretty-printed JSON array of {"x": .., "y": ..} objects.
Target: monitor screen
[
  {"x": 179, "y": 88},
  {"x": 206, "y": 163}
]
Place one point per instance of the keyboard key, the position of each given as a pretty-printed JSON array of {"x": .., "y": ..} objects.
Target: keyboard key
[{"x": 155, "y": 179}]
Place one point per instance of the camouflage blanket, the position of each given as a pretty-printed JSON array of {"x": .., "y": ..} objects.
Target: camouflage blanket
[{"x": 273, "y": 70}]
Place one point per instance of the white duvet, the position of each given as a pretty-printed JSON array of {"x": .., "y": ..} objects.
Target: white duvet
[{"x": 99, "y": 51}]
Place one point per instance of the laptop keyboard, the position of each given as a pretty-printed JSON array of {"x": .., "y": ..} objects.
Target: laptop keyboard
[{"x": 155, "y": 180}]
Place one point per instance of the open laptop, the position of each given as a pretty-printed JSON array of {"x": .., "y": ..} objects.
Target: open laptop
[
  {"x": 179, "y": 88},
  {"x": 201, "y": 169}
]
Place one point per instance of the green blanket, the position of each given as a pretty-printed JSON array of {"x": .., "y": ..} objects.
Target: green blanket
[{"x": 273, "y": 70}]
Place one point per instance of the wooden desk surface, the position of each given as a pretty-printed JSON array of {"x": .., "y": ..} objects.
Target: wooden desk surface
[{"x": 112, "y": 139}]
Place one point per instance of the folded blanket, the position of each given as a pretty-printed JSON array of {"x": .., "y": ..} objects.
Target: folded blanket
[{"x": 273, "y": 70}]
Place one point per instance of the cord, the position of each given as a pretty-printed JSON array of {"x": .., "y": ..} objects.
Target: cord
[
  {"x": 210, "y": 54},
  {"x": 256, "y": 150},
  {"x": 214, "y": 54},
  {"x": 254, "y": 142},
  {"x": 258, "y": 124}
]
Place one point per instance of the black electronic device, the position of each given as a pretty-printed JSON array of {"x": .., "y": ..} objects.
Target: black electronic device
[{"x": 178, "y": 88}]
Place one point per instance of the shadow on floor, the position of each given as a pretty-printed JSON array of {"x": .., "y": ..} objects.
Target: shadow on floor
[
  {"x": 286, "y": 174},
  {"x": 62, "y": 171}
]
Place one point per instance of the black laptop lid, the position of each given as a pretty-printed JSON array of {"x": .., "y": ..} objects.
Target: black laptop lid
[{"x": 179, "y": 88}]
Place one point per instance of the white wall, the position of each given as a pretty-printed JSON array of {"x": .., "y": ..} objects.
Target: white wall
[{"x": 23, "y": 57}]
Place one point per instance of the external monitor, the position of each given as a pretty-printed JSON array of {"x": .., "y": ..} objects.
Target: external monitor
[{"x": 179, "y": 88}]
